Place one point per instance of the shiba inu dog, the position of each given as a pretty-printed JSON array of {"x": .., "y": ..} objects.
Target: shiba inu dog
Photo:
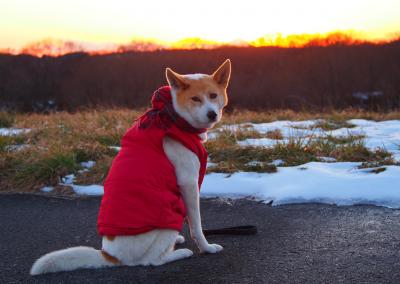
[{"x": 154, "y": 181}]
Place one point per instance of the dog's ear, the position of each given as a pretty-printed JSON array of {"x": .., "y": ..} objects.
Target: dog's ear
[
  {"x": 223, "y": 73},
  {"x": 175, "y": 80}
]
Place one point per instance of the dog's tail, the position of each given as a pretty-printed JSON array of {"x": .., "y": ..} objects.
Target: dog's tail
[{"x": 71, "y": 259}]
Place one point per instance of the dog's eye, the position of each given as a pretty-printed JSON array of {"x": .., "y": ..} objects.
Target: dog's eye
[
  {"x": 196, "y": 99},
  {"x": 213, "y": 96}
]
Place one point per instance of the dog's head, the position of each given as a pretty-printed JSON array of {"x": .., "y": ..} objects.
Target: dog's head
[{"x": 200, "y": 98}]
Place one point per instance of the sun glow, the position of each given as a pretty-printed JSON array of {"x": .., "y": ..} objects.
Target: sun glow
[{"x": 101, "y": 24}]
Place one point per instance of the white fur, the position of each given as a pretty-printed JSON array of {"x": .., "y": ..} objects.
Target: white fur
[
  {"x": 152, "y": 248},
  {"x": 157, "y": 246},
  {"x": 196, "y": 76},
  {"x": 69, "y": 259},
  {"x": 187, "y": 168}
]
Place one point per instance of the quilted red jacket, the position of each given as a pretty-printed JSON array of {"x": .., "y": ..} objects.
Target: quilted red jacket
[{"x": 141, "y": 191}]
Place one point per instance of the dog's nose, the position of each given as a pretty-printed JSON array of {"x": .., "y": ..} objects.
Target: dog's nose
[{"x": 212, "y": 115}]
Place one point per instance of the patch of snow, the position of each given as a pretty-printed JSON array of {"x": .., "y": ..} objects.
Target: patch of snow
[
  {"x": 68, "y": 179},
  {"x": 396, "y": 155},
  {"x": 13, "y": 131},
  {"x": 88, "y": 164},
  {"x": 258, "y": 163},
  {"x": 383, "y": 134},
  {"x": 378, "y": 134},
  {"x": 277, "y": 162},
  {"x": 289, "y": 128},
  {"x": 93, "y": 189},
  {"x": 327, "y": 159},
  {"x": 47, "y": 188},
  {"x": 268, "y": 143},
  {"x": 212, "y": 135},
  {"x": 17, "y": 147},
  {"x": 254, "y": 163},
  {"x": 339, "y": 183},
  {"x": 260, "y": 142},
  {"x": 211, "y": 164}
]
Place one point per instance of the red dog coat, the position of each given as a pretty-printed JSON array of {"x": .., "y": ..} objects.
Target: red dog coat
[{"x": 141, "y": 191}]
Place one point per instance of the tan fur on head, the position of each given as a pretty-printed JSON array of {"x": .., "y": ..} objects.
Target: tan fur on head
[{"x": 195, "y": 95}]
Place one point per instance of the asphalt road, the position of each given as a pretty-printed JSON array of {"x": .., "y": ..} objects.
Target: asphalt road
[{"x": 307, "y": 243}]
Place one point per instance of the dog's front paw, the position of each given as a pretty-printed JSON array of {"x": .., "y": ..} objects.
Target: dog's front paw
[
  {"x": 180, "y": 239},
  {"x": 211, "y": 248}
]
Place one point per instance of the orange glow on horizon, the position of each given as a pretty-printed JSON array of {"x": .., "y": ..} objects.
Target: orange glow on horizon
[
  {"x": 52, "y": 47},
  {"x": 103, "y": 25}
]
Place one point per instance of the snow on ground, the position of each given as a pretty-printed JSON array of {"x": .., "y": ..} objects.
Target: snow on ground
[
  {"x": 328, "y": 181},
  {"x": 47, "y": 188},
  {"x": 335, "y": 183},
  {"x": 13, "y": 131},
  {"x": 381, "y": 134},
  {"x": 288, "y": 128},
  {"x": 88, "y": 164},
  {"x": 17, "y": 147},
  {"x": 327, "y": 159},
  {"x": 69, "y": 180},
  {"x": 93, "y": 189},
  {"x": 339, "y": 183}
]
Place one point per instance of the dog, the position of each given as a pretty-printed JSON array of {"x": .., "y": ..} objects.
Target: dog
[{"x": 147, "y": 231}]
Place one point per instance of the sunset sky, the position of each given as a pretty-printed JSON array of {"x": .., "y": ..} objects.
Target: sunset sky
[{"x": 120, "y": 21}]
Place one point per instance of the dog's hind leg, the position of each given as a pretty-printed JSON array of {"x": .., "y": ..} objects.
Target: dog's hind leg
[{"x": 173, "y": 256}]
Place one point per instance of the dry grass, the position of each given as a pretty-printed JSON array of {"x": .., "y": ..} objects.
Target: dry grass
[
  {"x": 274, "y": 134},
  {"x": 6, "y": 119},
  {"x": 59, "y": 142}
]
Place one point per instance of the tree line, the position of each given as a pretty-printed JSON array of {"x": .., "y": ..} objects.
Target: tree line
[{"x": 308, "y": 78}]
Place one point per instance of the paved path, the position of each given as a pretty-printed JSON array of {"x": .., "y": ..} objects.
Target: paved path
[{"x": 310, "y": 243}]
